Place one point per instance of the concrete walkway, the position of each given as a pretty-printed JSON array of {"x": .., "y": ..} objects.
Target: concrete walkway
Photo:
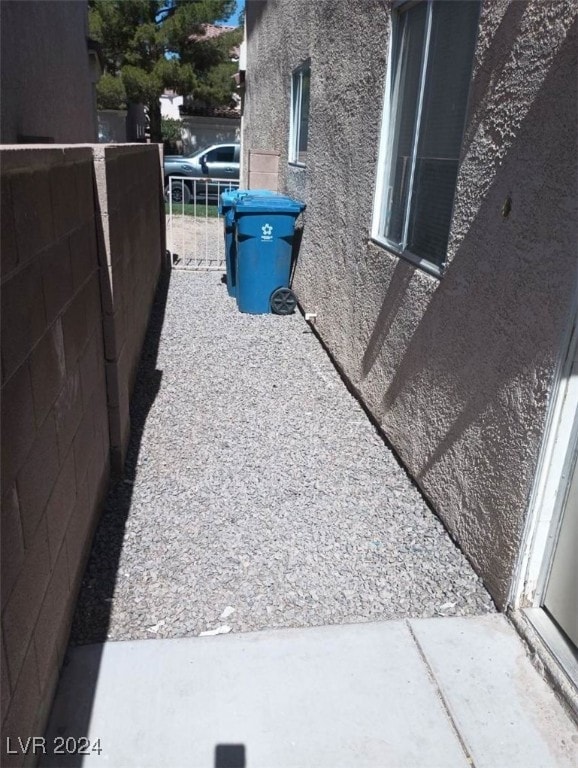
[{"x": 424, "y": 693}]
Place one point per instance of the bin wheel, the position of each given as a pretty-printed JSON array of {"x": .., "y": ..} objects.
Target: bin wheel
[{"x": 283, "y": 301}]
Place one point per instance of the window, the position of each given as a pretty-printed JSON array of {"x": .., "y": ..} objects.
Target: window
[
  {"x": 299, "y": 114},
  {"x": 221, "y": 155},
  {"x": 429, "y": 76}
]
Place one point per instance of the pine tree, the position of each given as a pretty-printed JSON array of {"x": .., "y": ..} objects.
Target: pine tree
[{"x": 147, "y": 49}]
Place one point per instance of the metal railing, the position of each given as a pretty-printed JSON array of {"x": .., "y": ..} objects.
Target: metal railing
[{"x": 194, "y": 226}]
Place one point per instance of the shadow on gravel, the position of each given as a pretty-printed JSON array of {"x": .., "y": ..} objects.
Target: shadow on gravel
[{"x": 93, "y": 608}]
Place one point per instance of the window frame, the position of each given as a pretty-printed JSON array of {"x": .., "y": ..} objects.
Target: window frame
[
  {"x": 220, "y": 148},
  {"x": 385, "y": 155},
  {"x": 296, "y": 114}
]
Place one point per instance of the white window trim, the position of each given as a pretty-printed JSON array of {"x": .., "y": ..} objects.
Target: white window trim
[
  {"x": 295, "y": 117},
  {"x": 384, "y": 156},
  {"x": 544, "y": 515}
]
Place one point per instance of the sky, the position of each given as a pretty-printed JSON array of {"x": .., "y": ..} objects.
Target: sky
[{"x": 233, "y": 20}]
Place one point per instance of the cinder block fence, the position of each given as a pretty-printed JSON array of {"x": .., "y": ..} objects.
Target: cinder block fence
[{"x": 81, "y": 252}]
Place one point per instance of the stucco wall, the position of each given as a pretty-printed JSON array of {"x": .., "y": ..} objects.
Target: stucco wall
[
  {"x": 46, "y": 83},
  {"x": 457, "y": 370}
]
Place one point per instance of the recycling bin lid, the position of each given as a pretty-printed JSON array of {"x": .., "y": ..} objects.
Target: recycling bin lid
[
  {"x": 268, "y": 204},
  {"x": 226, "y": 199},
  {"x": 235, "y": 194},
  {"x": 230, "y": 196},
  {"x": 261, "y": 193}
]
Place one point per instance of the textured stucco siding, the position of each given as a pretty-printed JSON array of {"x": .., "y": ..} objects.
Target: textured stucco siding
[
  {"x": 457, "y": 370},
  {"x": 47, "y": 88}
]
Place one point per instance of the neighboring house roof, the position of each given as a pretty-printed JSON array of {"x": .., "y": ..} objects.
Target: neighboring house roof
[{"x": 211, "y": 30}]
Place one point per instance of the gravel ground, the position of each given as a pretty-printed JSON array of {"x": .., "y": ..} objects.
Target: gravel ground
[
  {"x": 255, "y": 482},
  {"x": 198, "y": 241}
]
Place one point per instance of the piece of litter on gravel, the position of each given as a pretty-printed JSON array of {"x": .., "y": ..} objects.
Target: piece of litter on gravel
[
  {"x": 446, "y": 606},
  {"x": 222, "y": 630},
  {"x": 227, "y": 612},
  {"x": 156, "y": 627}
]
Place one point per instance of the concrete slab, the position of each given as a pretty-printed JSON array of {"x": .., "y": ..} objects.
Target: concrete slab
[
  {"x": 504, "y": 711},
  {"x": 353, "y": 696}
]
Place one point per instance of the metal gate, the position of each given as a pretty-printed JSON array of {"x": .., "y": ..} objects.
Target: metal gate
[{"x": 194, "y": 225}]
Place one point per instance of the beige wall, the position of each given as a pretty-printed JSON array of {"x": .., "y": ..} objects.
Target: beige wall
[
  {"x": 263, "y": 170},
  {"x": 45, "y": 78},
  {"x": 72, "y": 329},
  {"x": 457, "y": 370}
]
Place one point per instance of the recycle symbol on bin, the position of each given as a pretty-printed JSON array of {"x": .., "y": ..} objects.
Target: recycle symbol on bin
[{"x": 266, "y": 229}]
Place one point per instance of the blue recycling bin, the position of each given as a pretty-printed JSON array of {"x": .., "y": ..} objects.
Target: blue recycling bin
[
  {"x": 264, "y": 230},
  {"x": 227, "y": 201},
  {"x": 226, "y": 210}
]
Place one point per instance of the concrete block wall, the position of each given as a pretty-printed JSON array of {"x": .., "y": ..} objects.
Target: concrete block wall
[
  {"x": 61, "y": 386},
  {"x": 128, "y": 180},
  {"x": 54, "y": 415}
]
